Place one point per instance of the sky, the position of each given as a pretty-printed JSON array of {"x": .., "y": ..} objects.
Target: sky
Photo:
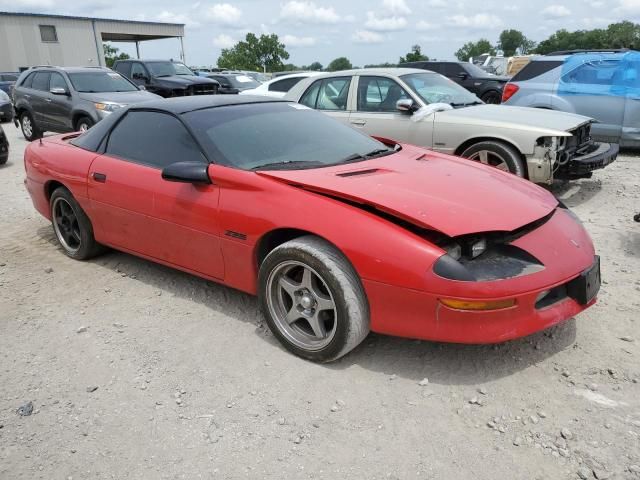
[{"x": 365, "y": 31}]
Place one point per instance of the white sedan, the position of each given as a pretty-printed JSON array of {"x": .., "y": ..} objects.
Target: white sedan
[{"x": 279, "y": 86}]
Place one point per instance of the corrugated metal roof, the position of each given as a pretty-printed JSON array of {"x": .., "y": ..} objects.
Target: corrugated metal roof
[{"x": 71, "y": 17}]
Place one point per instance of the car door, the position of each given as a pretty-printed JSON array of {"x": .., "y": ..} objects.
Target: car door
[
  {"x": 37, "y": 98},
  {"x": 375, "y": 112},
  {"x": 133, "y": 208},
  {"x": 629, "y": 86},
  {"x": 457, "y": 73},
  {"x": 331, "y": 96},
  {"x": 139, "y": 74},
  {"x": 588, "y": 89},
  {"x": 58, "y": 112}
]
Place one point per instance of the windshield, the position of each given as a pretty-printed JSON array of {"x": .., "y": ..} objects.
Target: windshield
[
  {"x": 434, "y": 88},
  {"x": 90, "y": 82},
  {"x": 278, "y": 135},
  {"x": 167, "y": 69}
]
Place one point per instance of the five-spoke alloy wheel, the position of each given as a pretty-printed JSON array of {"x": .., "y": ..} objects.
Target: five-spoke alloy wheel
[{"x": 313, "y": 299}]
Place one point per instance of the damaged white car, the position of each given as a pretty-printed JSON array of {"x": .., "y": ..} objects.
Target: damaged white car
[{"x": 427, "y": 109}]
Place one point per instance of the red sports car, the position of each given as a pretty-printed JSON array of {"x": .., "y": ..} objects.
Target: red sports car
[{"x": 338, "y": 233}]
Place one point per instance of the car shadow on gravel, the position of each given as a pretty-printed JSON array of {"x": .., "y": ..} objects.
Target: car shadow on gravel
[
  {"x": 457, "y": 364},
  {"x": 576, "y": 192},
  {"x": 441, "y": 363}
]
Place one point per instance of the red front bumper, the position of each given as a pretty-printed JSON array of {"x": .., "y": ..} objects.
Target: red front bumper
[{"x": 408, "y": 313}]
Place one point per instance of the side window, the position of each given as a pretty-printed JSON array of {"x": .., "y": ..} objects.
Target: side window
[
  {"x": 595, "y": 73},
  {"x": 138, "y": 72},
  {"x": 284, "y": 85},
  {"x": 328, "y": 94},
  {"x": 124, "y": 68},
  {"x": 434, "y": 67},
  {"x": 224, "y": 82},
  {"x": 310, "y": 97},
  {"x": 154, "y": 139},
  {"x": 452, "y": 70},
  {"x": 41, "y": 81},
  {"x": 58, "y": 81},
  {"x": 9, "y": 78},
  {"x": 379, "y": 94}
]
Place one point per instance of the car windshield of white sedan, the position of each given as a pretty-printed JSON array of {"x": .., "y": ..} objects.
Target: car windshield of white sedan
[
  {"x": 434, "y": 88},
  {"x": 98, "y": 82},
  {"x": 168, "y": 69},
  {"x": 279, "y": 136}
]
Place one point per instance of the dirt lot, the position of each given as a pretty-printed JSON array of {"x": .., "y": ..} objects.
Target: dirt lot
[{"x": 139, "y": 371}]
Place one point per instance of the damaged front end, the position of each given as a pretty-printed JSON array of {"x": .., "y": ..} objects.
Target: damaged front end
[{"x": 569, "y": 157}]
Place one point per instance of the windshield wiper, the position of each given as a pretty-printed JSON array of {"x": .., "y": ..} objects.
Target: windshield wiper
[
  {"x": 286, "y": 164},
  {"x": 357, "y": 157},
  {"x": 164, "y": 75}
]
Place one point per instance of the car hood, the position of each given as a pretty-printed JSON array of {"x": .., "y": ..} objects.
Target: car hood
[
  {"x": 430, "y": 190},
  {"x": 124, "y": 98},
  {"x": 514, "y": 117},
  {"x": 185, "y": 79}
]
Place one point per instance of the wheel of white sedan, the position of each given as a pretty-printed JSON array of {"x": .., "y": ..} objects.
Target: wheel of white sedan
[
  {"x": 496, "y": 154},
  {"x": 313, "y": 299}
]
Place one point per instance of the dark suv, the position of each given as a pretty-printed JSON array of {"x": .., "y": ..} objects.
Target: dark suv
[
  {"x": 486, "y": 86},
  {"x": 67, "y": 99},
  {"x": 7, "y": 79},
  {"x": 4, "y": 147},
  {"x": 231, "y": 83},
  {"x": 166, "y": 77}
]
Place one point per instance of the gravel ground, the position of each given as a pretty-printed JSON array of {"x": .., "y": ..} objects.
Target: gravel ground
[{"x": 136, "y": 371}]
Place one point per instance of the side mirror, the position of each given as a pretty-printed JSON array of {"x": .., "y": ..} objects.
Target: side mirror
[
  {"x": 59, "y": 91},
  {"x": 187, "y": 172},
  {"x": 141, "y": 87},
  {"x": 405, "y": 105}
]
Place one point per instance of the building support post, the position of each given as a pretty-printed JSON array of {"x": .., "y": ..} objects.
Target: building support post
[
  {"x": 138, "y": 49},
  {"x": 182, "y": 50}
]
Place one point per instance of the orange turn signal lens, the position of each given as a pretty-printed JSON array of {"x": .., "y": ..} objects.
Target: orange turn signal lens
[{"x": 477, "y": 305}]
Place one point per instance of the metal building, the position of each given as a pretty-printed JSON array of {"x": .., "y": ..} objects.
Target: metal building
[{"x": 28, "y": 39}]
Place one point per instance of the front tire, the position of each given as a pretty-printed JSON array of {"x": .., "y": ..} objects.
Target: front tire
[
  {"x": 84, "y": 123},
  {"x": 72, "y": 227},
  {"x": 30, "y": 130},
  {"x": 491, "y": 97},
  {"x": 313, "y": 299},
  {"x": 496, "y": 154}
]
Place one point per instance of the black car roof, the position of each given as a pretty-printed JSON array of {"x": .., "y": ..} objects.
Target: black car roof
[{"x": 180, "y": 105}]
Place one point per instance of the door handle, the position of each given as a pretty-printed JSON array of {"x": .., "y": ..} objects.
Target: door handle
[
  {"x": 359, "y": 123},
  {"x": 99, "y": 177}
]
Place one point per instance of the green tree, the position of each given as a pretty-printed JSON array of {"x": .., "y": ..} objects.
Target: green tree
[
  {"x": 473, "y": 49},
  {"x": 512, "y": 41},
  {"x": 111, "y": 54},
  {"x": 580, "y": 39},
  {"x": 255, "y": 53},
  {"x": 340, "y": 63},
  {"x": 382, "y": 65},
  {"x": 415, "y": 55},
  {"x": 624, "y": 34},
  {"x": 315, "y": 66}
]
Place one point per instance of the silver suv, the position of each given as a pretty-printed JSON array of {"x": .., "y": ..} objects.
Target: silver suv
[
  {"x": 67, "y": 99},
  {"x": 597, "y": 84}
]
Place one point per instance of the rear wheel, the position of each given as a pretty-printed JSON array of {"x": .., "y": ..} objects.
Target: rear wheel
[
  {"x": 491, "y": 97},
  {"x": 313, "y": 299},
  {"x": 30, "y": 130},
  {"x": 83, "y": 124},
  {"x": 496, "y": 154},
  {"x": 72, "y": 227}
]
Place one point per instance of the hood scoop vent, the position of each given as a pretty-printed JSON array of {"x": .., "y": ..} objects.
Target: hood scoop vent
[{"x": 356, "y": 173}]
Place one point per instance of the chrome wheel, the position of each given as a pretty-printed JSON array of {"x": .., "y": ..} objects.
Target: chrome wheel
[
  {"x": 490, "y": 158},
  {"x": 302, "y": 305},
  {"x": 27, "y": 127},
  {"x": 83, "y": 127},
  {"x": 65, "y": 225}
]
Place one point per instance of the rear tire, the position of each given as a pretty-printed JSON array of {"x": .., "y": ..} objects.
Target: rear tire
[
  {"x": 72, "y": 227},
  {"x": 313, "y": 299},
  {"x": 84, "y": 123},
  {"x": 497, "y": 154},
  {"x": 30, "y": 130}
]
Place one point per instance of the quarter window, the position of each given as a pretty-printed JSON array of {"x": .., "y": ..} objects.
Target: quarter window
[
  {"x": 154, "y": 139},
  {"x": 48, "y": 33},
  {"x": 328, "y": 94},
  {"x": 379, "y": 94}
]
